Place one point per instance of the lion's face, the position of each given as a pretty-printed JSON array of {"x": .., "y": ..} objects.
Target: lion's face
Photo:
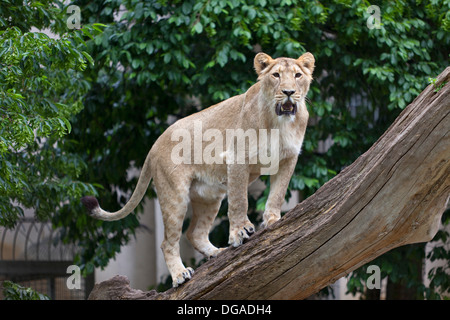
[{"x": 285, "y": 81}]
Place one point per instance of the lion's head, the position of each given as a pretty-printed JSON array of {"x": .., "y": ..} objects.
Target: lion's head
[{"x": 285, "y": 81}]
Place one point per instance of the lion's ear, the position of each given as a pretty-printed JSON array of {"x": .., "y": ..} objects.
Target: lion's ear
[
  {"x": 261, "y": 62},
  {"x": 307, "y": 60}
]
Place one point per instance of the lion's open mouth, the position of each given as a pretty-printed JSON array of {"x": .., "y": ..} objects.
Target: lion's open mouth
[{"x": 287, "y": 108}]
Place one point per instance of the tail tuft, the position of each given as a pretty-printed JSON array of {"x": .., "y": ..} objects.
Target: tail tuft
[{"x": 91, "y": 203}]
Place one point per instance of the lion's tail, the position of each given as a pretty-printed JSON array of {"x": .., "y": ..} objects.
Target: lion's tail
[{"x": 91, "y": 203}]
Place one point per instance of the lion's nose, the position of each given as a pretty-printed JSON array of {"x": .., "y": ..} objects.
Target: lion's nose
[{"x": 288, "y": 92}]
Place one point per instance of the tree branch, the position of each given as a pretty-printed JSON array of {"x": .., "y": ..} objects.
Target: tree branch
[{"x": 392, "y": 195}]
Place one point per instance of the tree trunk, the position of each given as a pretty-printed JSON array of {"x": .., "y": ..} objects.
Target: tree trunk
[{"x": 392, "y": 195}]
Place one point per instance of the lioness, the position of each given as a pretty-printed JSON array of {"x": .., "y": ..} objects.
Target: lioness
[{"x": 276, "y": 101}]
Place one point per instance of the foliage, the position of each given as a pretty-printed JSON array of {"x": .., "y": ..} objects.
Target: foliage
[
  {"x": 436, "y": 87},
  {"x": 157, "y": 61},
  {"x": 14, "y": 291},
  {"x": 439, "y": 286},
  {"x": 41, "y": 89}
]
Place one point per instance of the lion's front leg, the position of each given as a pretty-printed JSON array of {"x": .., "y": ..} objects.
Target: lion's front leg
[
  {"x": 278, "y": 185},
  {"x": 240, "y": 226}
]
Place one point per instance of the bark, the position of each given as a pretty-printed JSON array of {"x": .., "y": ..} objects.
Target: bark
[{"x": 392, "y": 195}]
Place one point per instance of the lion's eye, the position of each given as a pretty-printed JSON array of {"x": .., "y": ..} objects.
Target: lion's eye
[
  {"x": 298, "y": 75},
  {"x": 276, "y": 75}
]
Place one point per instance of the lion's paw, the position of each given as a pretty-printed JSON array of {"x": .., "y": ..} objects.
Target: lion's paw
[
  {"x": 182, "y": 277},
  {"x": 269, "y": 219},
  {"x": 237, "y": 235},
  {"x": 215, "y": 253}
]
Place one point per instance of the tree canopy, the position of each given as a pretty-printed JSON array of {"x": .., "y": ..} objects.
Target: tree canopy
[
  {"x": 156, "y": 61},
  {"x": 42, "y": 86}
]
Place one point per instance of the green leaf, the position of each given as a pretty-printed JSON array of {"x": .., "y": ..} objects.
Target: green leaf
[
  {"x": 198, "y": 27},
  {"x": 99, "y": 25},
  {"x": 186, "y": 7},
  {"x": 87, "y": 33},
  {"x": 426, "y": 69},
  {"x": 88, "y": 57},
  {"x": 67, "y": 124},
  {"x": 135, "y": 64}
]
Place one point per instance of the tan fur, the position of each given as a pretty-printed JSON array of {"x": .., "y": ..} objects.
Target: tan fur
[{"x": 205, "y": 185}]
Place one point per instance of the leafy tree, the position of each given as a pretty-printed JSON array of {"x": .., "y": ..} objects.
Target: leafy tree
[
  {"x": 41, "y": 88},
  {"x": 14, "y": 291}
]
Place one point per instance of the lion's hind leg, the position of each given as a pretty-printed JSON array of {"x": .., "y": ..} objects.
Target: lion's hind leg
[
  {"x": 174, "y": 204},
  {"x": 203, "y": 215}
]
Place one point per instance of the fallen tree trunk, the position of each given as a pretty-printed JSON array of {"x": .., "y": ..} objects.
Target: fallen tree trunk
[{"x": 392, "y": 195}]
